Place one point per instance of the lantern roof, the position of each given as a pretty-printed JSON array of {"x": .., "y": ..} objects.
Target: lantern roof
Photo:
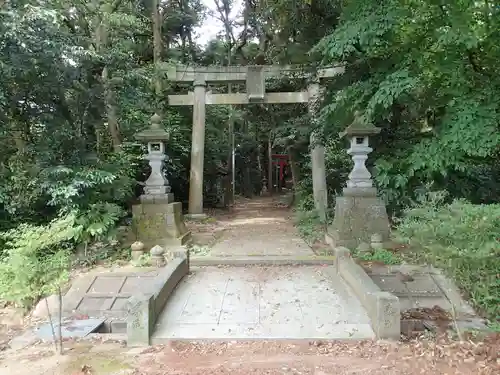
[
  {"x": 360, "y": 127},
  {"x": 154, "y": 133}
]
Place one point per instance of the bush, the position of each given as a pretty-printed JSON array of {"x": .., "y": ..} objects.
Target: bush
[
  {"x": 464, "y": 240},
  {"x": 36, "y": 260}
]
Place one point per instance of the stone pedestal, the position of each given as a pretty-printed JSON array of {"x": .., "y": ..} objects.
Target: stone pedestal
[
  {"x": 160, "y": 223},
  {"x": 157, "y": 219},
  {"x": 359, "y": 214}
]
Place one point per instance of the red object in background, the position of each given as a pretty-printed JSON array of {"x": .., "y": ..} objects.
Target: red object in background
[{"x": 282, "y": 161}]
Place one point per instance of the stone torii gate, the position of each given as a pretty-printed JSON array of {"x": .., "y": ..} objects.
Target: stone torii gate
[{"x": 255, "y": 79}]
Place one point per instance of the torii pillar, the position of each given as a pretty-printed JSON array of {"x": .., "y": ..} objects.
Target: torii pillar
[
  {"x": 195, "y": 209},
  {"x": 317, "y": 155}
]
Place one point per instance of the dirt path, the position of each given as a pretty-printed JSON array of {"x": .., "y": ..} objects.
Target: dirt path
[
  {"x": 253, "y": 227},
  {"x": 260, "y": 357}
]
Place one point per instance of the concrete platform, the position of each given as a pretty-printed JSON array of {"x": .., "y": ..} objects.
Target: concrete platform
[
  {"x": 428, "y": 288},
  {"x": 105, "y": 295},
  {"x": 282, "y": 302}
]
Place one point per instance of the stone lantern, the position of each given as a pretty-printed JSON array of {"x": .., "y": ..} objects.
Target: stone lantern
[
  {"x": 358, "y": 133},
  {"x": 156, "y": 186},
  {"x": 359, "y": 212},
  {"x": 157, "y": 219}
]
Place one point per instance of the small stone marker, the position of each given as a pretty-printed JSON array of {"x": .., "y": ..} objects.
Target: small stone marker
[
  {"x": 363, "y": 247},
  {"x": 376, "y": 241},
  {"x": 158, "y": 256},
  {"x": 137, "y": 250}
]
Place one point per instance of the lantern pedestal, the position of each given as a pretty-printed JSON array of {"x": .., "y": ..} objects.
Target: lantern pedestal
[
  {"x": 160, "y": 223},
  {"x": 359, "y": 212},
  {"x": 157, "y": 219}
]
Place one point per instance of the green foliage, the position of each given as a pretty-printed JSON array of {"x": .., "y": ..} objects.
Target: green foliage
[
  {"x": 36, "y": 260},
  {"x": 309, "y": 225},
  {"x": 463, "y": 239},
  {"x": 379, "y": 255},
  {"x": 423, "y": 71}
]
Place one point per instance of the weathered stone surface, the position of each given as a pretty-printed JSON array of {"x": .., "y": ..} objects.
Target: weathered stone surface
[
  {"x": 40, "y": 310},
  {"x": 160, "y": 224},
  {"x": 217, "y": 73},
  {"x": 255, "y": 84},
  {"x": 262, "y": 303},
  {"x": 140, "y": 320},
  {"x": 421, "y": 284},
  {"x": 136, "y": 255},
  {"x": 376, "y": 241},
  {"x": 356, "y": 219},
  {"x": 363, "y": 247},
  {"x": 137, "y": 246},
  {"x": 240, "y": 98},
  {"x": 197, "y": 148},
  {"x": 143, "y": 309},
  {"x": 383, "y": 308},
  {"x": 386, "y": 321},
  {"x": 158, "y": 255}
]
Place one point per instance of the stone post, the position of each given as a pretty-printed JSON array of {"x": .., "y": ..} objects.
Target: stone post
[
  {"x": 359, "y": 212},
  {"x": 197, "y": 150},
  {"x": 157, "y": 219},
  {"x": 317, "y": 157}
]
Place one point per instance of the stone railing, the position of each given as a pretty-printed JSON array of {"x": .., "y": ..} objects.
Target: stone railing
[
  {"x": 383, "y": 308},
  {"x": 144, "y": 309}
]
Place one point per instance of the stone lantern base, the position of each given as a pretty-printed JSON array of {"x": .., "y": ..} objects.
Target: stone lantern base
[
  {"x": 157, "y": 220},
  {"x": 359, "y": 213}
]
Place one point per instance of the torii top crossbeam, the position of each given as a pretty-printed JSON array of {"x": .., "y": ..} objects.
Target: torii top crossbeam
[{"x": 236, "y": 74}]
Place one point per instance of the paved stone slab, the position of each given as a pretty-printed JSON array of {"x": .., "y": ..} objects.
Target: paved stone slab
[
  {"x": 421, "y": 285},
  {"x": 425, "y": 291},
  {"x": 69, "y": 328},
  {"x": 289, "y": 302},
  {"x": 105, "y": 294}
]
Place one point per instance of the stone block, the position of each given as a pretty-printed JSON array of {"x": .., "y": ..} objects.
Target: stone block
[
  {"x": 357, "y": 218},
  {"x": 140, "y": 320},
  {"x": 386, "y": 319},
  {"x": 157, "y": 198},
  {"x": 168, "y": 278},
  {"x": 182, "y": 252},
  {"x": 143, "y": 310},
  {"x": 383, "y": 308},
  {"x": 160, "y": 224}
]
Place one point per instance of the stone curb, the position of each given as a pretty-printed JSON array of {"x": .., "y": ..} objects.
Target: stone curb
[
  {"x": 144, "y": 309},
  {"x": 383, "y": 308},
  {"x": 205, "y": 261}
]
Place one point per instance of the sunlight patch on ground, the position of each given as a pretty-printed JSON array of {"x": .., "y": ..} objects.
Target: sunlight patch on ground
[{"x": 254, "y": 221}]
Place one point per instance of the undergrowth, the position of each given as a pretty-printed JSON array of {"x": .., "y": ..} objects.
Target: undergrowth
[
  {"x": 461, "y": 238},
  {"x": 310, "y": 226},
  {"x": 379, "y": 255}
]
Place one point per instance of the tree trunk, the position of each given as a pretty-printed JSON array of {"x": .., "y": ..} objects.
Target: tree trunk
[
  {"x": 101, "y": 42},
  {"x": 110, "y": 100},
  {"x": 157, "y": 47}
]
